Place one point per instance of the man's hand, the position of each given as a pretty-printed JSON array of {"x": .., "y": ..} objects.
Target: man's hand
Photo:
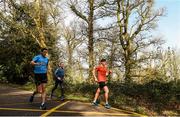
[
  {"x": 110, "y": 71},
  {"x": 96, "y": 80},
  {"x": 37, "y": 64},
  {"x": 59, "y": 78},
  {"x": 94, "y": 74},
  {"x": 34, "y": 63}
]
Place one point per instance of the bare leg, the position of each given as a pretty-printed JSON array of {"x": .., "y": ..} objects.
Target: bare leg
[
  {"x": 97, "y": 94},
  {"x": 43, "y": 94},
  {"x": 34, "y": 93},
  {"x": 106, "y": 93}
]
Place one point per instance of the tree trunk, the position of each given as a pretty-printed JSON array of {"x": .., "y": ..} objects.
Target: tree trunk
[
  {"x": 128, "y": 64},
  {"x": 112, "y": 54},
  {"x": 70, "y": 51},
  {"x": 127, "y": 71},
  {"x": 42, "y": 40},
  {"x": 91, "y": 39}
]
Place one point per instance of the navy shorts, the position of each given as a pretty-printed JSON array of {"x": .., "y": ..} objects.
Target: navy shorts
[{"x": 40, "y": 78}]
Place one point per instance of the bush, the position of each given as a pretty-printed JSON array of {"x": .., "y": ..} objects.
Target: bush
[{"x": 154, "y": 95}]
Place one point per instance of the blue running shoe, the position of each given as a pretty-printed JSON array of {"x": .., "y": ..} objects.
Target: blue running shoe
[
  {"x": 95, "y": 104},
  {"x": 107, "y": 106}
]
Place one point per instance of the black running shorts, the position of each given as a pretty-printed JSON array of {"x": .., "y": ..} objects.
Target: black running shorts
[
  {"x": 40, "y": 78},
  {"x": 102, "y": 85}
]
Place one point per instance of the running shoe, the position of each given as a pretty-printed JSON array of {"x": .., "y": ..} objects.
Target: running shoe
[
  {"x": 43, "y": 107},
  {"x": 95, "y": 104},
  {"x": 107, "y": 106},
  {"x": 62, "y": 98}
]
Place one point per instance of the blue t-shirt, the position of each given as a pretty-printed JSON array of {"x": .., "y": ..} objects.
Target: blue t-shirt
[{"x": 42, "y": 68}]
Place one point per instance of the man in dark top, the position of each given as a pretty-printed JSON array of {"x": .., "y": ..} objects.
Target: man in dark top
[
  {"x": 59, "y": 78},
  {"x": 40, "y": 63}
]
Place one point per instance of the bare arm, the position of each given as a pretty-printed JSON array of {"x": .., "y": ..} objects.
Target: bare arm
[
  {"x": 94, "y": 74},
  {"x": 108, "y": 72},
  {"x": 34, "y": 63}
]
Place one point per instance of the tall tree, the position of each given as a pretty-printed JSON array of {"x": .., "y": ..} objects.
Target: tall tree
[
  {"x": 30, "y": 20},
  {"x": 89, "y": 14},
  {"x": 135, "y": 18}
]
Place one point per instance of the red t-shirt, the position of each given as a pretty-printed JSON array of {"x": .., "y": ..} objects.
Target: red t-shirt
[{"x": 101, "y": 73}]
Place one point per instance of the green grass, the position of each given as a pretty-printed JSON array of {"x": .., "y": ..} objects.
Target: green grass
[
  {"x": 77, "y": 97},
  {"x": 28, "y": 86}
]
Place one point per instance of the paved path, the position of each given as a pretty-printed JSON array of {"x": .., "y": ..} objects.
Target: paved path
[{"x": 14, "y": 102}]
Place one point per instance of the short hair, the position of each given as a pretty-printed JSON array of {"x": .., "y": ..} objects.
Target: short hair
[
  {"x": 60, "y": 63},
  {"x": 103, "y": 60},
  {"x": 43, "y": 49}
]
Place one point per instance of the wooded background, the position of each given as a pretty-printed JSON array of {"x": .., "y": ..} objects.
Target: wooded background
[{"x": 117, "y": 30}]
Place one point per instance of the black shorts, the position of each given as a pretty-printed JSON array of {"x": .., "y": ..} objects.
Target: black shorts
[
  {"x": 102, "y": 85},
  {"x": 40, "y": 78}
]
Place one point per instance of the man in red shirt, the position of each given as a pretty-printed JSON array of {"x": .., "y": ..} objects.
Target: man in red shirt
[{"x": 102, "y": 72}]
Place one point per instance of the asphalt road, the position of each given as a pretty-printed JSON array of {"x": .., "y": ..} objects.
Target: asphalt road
[{"x": 14, "y": 102}]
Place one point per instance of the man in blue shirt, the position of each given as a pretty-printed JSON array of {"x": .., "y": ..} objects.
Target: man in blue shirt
[
  {"x": 59, "y": 78},
  {"x": 40, "y": 63}
]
